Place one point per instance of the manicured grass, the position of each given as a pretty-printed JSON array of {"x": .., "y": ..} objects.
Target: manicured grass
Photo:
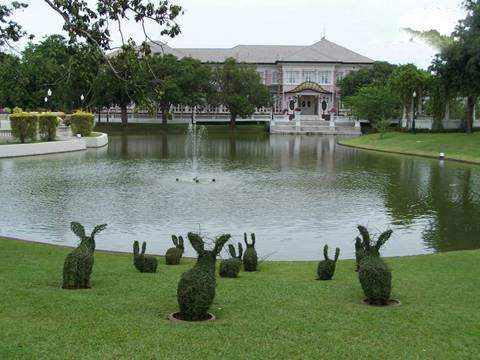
[
  {"x": 95, "y": 134},
  {"x": 456, "y": 146},
  {"x": 281, "y": 312}
]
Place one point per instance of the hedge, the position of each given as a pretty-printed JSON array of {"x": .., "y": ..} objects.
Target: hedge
[
  {"x": 47, "y": 126},
  {"x": 82, "y": 123},
  {"x": 24, "y": 126}
]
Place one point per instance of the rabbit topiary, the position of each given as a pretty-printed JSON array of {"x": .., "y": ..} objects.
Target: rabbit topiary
[
  {"x": 250, "y": 257},
  {"x": 174, "y": 254},
  {"x": 231, "y": 267},
  {"x": 326, "y": 268},
  {"x": 364, "y": 246},
  {"x": 142, "y": 262},
  {"x": 196, "y": 288},
  {"x": 79, "y": 263},
  {"x": 376, "y": 280}
]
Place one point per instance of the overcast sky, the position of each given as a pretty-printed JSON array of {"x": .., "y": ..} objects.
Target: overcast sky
[{"x": 370, "y": 27}]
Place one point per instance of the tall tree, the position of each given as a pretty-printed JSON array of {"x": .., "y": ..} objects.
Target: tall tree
[
  {"x": 240, "y": 89},
  {"x": 10, "y": 30},
  {"x": 377, "y": 74},
  {"x": 405, "y": 80}
]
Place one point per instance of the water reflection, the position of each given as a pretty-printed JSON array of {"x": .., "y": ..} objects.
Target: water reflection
[{"x": 295, "y": 192}]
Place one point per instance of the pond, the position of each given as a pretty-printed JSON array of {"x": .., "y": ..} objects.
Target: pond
[{"x": 295, "y": 192}]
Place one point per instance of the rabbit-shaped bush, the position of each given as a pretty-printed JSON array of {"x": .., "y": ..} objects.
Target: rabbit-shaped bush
[
  {"x": 231, "y": 267},
  {"x": 79, "y": 263},
  {"x": 364, "y": 247},
  {"x": 250, "y": 257},
  {"x": 326, "y": 268},
  {"x": 174, "y": 254},
  {"x": 196, "y": 288},
  {"x": 376, "y": 280},
  {"x": 142, "y": 262}
]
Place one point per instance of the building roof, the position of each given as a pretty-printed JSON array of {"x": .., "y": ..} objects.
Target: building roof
[{"x": 322, "y": 51}]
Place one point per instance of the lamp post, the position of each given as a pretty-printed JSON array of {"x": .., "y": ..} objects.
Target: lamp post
[
  {"x": 82, "y": 99},
  {"x": 414, "y": 117},
  {"x": 49, "y": 94}
]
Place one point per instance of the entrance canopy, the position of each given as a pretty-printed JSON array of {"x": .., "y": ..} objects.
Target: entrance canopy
[{"x": 308, "y": 87}]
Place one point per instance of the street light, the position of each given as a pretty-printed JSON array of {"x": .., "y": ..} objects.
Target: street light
[
  {"x": 414, "y": 112},
  {"x": 49, "y": 92}
]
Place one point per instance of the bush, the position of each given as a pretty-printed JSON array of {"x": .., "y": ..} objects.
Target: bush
[
  {"x": 230, "y": 268},
  {"x": 142, "y": 262},
  {"x": 250, "y": 258},
  {"x": 47, "y": 126},
  {"x": 82, "y": 123},
  {"x": 376, "y": 280},
  {"x": 326, "y": 268},
  {"x": 79, "y": 263},
  {"x": 7, "y": 110},
  {"x": 174, "y": 254},
  {"x": 366, "y": 247},
  {"x": 17, "y": 110},
  {"x": 196, "y": 288},
  {"x": 24, "y": 126}
]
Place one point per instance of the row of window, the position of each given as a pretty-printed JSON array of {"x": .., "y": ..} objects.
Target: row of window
[{"x": 297, "y": 77}]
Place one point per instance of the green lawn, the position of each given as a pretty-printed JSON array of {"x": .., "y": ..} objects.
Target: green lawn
[
  {"x": 281, "y": 312},
  {"x": 456, "y": 146}
]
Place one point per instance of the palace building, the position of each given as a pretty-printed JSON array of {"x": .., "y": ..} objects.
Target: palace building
[{"x": 302, "y": 77}]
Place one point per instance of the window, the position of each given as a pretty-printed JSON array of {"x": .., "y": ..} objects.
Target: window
[
  {"x": 275, "y": 77},
  {"x": 292, "y": 77},
  {"x": 339, "y": 76},
  {"x": 324, "y": 77},
  {"x": 309, "y": 76}
]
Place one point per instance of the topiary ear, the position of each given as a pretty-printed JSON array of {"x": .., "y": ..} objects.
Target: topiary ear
[
  {"x": 382, "y": 239},
  {"x": 245, "y": 238},
  {"x": 144, "y": 247},
  {"x": 180, "y": 242},
  {"x": 136, "y": 248},
  {"x": 337, "y": 254},
  {"x": 78, "y": 229},
  {"x": 220, "y": 242},
  {"x": 175, "y": 240},
  {"x": 325, "y": 252},
  {"x": 97, "y": 229},
  {"x": 252, "y": 235},
  {"x": 197, "y": 242},
  {"x": 365, "y": 235},
  {"x": 231, "y": 250},
  {"x": 240, "y": 250}
]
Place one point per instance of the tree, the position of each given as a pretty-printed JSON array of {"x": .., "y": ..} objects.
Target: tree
[
  {"x": 377, "y": 74},
  {"x": 240, "y": 89},
  {"x": 13, "y": 83},
  {"x": 405, "y": 80},
  {"x": 109, "y": 91},
  {"x": 10, "y": 30},
  {"x": 196, "y": 84},
  {"x": 162, "y": 74},
  {"x": 378, "y": 104}
]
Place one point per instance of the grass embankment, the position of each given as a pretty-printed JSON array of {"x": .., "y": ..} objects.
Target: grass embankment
[
  {"x": 456, "y": 146},
  {"x": 280, "y": 312}
]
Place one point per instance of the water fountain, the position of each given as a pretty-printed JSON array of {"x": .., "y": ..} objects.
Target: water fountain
[{"x": 196, "y": 135}]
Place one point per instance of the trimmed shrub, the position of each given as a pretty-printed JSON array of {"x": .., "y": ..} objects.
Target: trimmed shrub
[
  {"x": 230, "y": 268},
  {"x": 250, "y": 258},
  {"x": 79, "y": 263},
  {"x": 7, "y": 110},
  {"x": 17, "y": 110},
  {"x": 174, "y": 254},
  {"x": 82, "y": 123},
  {"x": 142, "y": 262},
  {"x": 376, "y": 280},
  {"x": 196, "y": 288},
  {"x": 366, "y": 247},
  {"x": 326, "y": 268},
  {"x": 24, "y": 126},
  {"x": 47, "y": 126}
]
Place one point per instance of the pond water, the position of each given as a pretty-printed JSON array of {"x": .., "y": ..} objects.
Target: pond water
[{"x": 295, "y": 192}]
